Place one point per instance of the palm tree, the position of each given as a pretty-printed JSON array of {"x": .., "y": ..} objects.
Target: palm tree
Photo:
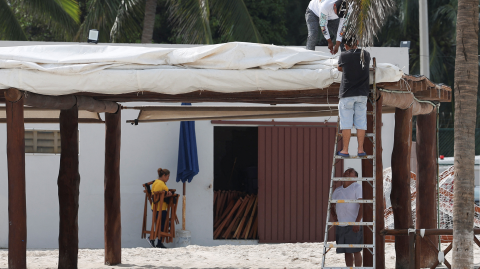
[
  {"x": 61, "y": 15},
  {"x": 149, "y": 21},
  {"x": 466, "y": 83}
]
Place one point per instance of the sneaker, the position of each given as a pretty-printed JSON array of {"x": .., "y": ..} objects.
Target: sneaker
[
  {"x": 160, "y": 245},
  {"x": 150, "y": 242}
]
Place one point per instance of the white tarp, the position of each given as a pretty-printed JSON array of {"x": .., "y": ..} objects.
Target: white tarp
[{"x": 230, "y": 67}]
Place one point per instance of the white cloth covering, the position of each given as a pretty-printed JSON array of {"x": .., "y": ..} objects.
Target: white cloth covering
[
  {"x": 347, "y": 212},
  {"x": 230, "y": 67}
]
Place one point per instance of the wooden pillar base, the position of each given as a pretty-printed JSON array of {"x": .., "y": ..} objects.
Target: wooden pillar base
[
  {"x": 112, "y": 217},
  {"x": 400, "y": 195},
  {"x": 17, "y": 208},
  {"x": 68, "y": 189}
]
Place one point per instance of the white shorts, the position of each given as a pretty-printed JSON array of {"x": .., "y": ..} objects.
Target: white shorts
[{"x": 353, "y": 112}]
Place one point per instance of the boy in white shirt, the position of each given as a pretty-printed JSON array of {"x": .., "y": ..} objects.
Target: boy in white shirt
[
  {"x": 320, "y": 12},
  {"x": 349, "y": 212}
]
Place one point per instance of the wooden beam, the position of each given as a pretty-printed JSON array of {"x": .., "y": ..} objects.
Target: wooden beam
[
  {"x": 17, "y": 209},
  {"x": 113, "y": 227},
  {"x": 367, "y": 171},
  {"x": 426, "y": 213},
  {"x": 63, "y": 102},
  {"x": 400, "y": 195},
  {"x": 379, "y": 206},
  {"x": 68, "y": 189}
]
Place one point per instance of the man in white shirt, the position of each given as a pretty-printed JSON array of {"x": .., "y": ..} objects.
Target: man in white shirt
[
  {"x": 349, "y": 212},
  {"x": 320, "y": 12}
]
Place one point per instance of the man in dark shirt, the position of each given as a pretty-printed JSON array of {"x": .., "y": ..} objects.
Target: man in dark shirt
[{"x": 354, "y": 91}]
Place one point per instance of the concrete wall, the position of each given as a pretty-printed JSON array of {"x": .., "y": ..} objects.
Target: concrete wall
[{"x": 145, "y": 148}]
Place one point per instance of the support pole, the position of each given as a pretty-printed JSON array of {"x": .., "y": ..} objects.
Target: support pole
[
  {"x": 68, "y": 189},
  {"x": 17, "y": 208},
  {"x": 400, "y": 195},
  {"x": 367, "y": 171},
  {"x": 184, "y": 205},
  {"x": 379, "y": 206},
  {"x": 426, "y": 213},
  {"x": 112, "y": 227}
]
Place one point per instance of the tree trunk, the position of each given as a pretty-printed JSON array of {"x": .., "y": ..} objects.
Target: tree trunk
[
  {"x": 466, "y": 83},
  {"x": 68, "y": 189},
  {"x": 149, "y": 21},
  {"x": 400, "y": 195},
  {"x": 426, "y": 213}
]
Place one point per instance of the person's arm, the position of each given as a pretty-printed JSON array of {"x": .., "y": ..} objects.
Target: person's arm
[
  {"x": 323, "y": 26},
  {"x": 340, "y": 34},
  {"x": 340, "y": 63},
  {"x": 333, "y": 212},
  {"x": 358, "y": 191}
]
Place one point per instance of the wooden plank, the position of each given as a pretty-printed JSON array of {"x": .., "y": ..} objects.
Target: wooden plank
[
  {"x": 17, "y": 208},
  {"x": 68, "y": 189},
  {"x": 367, "y": 171},
  {"x": 281, "y": 184},
  {"x": 227, "y": 220},
  {"x": 287, "y": 178},
  {"x": 400, "y": 198},
  {"x": 379, "y": 202},
  {"x": 274, "y": 189},
  {"x": 244, "y": 219},
  {"x": 319, "y": 232},
  {"x": 294, "y": 183},
  {"x": 236, "y": 218},
  {"x": 268, "y": 189},
  {"x": 326, "y": 172},
  {"x": 250, "y": 221},
  {"x": 300, "y": 187},
  {"x": 113, "y": 225},
  {"x": 261, "y": 183},
  {"x": 312, "y": 186},
  {"x": 426, "y": 212},
  {"x": 306, "y": 184}
]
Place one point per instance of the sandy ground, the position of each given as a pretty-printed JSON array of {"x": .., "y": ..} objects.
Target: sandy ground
[{"x": 307, "y": 255}]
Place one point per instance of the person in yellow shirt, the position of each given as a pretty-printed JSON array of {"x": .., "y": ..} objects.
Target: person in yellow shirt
[{"x": 160, "y": 185}]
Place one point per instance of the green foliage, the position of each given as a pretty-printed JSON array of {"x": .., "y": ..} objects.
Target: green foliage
[{"x": 269, "y": 16}]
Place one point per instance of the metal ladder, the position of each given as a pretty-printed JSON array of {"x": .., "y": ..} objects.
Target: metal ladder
[{"x": 371, "y": 180}]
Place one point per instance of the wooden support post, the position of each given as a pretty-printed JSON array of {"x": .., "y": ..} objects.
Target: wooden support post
[
  {"x": 184, "y": 207},
  {"x": 426, "y": 213},
  {"x": 367, "y": 171},
  {"x": 68, "y": 189},
  {"x": 112, "y": 225},
  {"x": 379, "y": 211},
  {"x": 400, "y": 195},
  {"x": 17, "y": 208}
]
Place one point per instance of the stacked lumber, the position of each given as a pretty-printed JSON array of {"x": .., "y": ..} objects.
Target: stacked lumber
[{"x": 235, "y": 215}]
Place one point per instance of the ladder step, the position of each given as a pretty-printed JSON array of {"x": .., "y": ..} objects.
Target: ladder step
[
  {"x": 353, "y": 179},
  {"x": 355, "y": 134},
  {"x": 354, "y": 157},
  {"x": 350, "y": 223},
  {"x": 349, "y": 246},
  {"x": 370, "y": 113},
  {"x": 347, "y": 267},
  {"x": 351, "y": 201}
]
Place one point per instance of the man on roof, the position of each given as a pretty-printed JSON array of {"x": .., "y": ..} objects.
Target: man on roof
[{"x": 330, "y": 15}]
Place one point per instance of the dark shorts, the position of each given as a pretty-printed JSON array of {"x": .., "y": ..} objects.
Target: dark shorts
[{"x": 346, "y": 235}]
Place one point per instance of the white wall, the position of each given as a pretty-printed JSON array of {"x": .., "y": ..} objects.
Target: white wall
[{"x": 145, "y": 148}]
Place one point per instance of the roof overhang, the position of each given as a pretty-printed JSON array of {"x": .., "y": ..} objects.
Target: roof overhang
[{"x": 35, "y": 115}]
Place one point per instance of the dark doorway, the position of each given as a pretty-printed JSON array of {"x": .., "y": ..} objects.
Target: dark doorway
[{"x": 236, "y": 159}]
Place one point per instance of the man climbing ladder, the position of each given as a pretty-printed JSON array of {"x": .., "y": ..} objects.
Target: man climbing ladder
[{"x": 355, "y": 92}]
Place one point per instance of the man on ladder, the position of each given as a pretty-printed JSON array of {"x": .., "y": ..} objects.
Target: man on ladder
[
  {"x": 354, "y": 91},
  {"x": 348, "y": 234}
]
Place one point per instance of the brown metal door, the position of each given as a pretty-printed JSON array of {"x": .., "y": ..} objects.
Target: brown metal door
[{"x": 294, "y": 166}]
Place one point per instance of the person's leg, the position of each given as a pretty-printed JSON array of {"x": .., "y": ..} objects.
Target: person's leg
[
  {"x": 360, "y": 120},
  {"x": 349, "y": 259},
  {"x": 312, "y": 25},
  {"x": 358, "y": 259},
  {"x": 346, "y": 113},
  {"x": 162, "y": 224}
]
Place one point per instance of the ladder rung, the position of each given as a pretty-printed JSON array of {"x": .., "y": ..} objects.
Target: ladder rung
[
  {"x": 349, "y": 246},
  {"x": 347, "y": 267},
  {"x": 351, "y": 201},
  {"x": 353, "y": 179},
  {"x": 350, "y": 223},
  {"x": 355, "y": 134},
  {"x": 369, "y": 112},
  {"x": 354, "y": 157}
]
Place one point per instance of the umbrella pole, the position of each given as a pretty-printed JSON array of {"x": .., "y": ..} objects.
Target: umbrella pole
[{"x": 183, "y": 205}]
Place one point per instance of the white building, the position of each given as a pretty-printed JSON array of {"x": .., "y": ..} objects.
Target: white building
[{"x": 145, "y": 148}]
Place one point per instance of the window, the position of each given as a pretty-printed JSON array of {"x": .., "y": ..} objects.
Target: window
[{"x": 42, "y": 141}]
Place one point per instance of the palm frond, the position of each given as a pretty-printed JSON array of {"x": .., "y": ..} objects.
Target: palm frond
[
  {"x": 63, "y": 15},
  {"x": 128, "y": 20},
  {"x": 366, "y": 18},
  {"x": 102, "y": 16},
  {"x": 10, "y": 28},
  {"x": 235, "y": 20},
  {"x": 190, "y": 19}
]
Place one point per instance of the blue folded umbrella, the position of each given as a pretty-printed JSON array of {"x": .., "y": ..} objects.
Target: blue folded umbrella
[{"x": 187, "y": 166}]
